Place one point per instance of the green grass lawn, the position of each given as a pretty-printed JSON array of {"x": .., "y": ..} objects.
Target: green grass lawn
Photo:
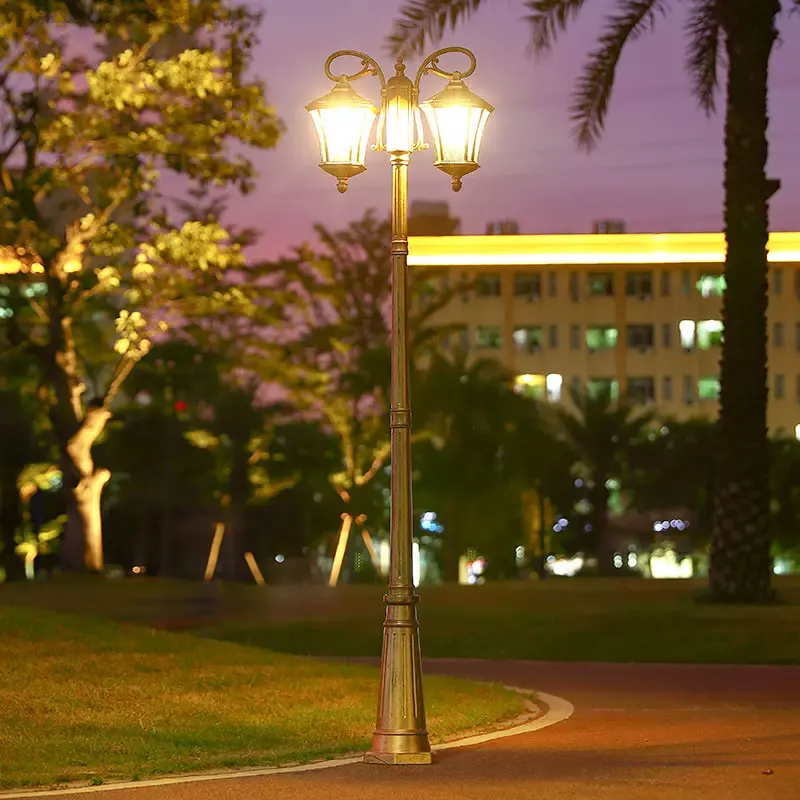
[
  {"x": 569, "y": 620},
  {"x": 86, "y": 699}
]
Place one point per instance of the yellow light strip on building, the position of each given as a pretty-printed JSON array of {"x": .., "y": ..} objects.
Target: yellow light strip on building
[{"x": 624, "y": 248}]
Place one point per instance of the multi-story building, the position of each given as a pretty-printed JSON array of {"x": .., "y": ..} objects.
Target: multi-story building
[{"x": 637, "y": 313}]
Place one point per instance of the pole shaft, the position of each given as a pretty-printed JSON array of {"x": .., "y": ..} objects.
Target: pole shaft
[{"x": 400, "y": 736}]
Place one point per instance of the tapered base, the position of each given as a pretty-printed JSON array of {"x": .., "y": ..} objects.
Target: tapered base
[{"x": 401, "y": 736}]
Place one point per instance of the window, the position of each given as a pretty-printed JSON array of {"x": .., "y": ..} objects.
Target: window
[
  {"x": 639, "y": 284},
  {"x": 797, "y": 335},
  {"x": 688, "y": 389},
  {"x": 488, "y": 286},
  {"x": 489, "y": 337},
  {"x": 603, "y": 386},
  {"x": 575, "y": 384},
  {"x": 601, "y": 337},
  {"x": 797, "y": 283},
  {"x": 600, "y": 284},
  {"x": 530, "y": 386},
  {"x": 709, "y": 333},
  {"x": 552, "y": 337},
  {"x": 640, "y": 336},
  {"x": 777, "y": 281},
  {"x": 528, "y": 339},
  {"x": 575, "y": 337},
  {"x": 711, "y": 284},
  {"x": 552, "y": 284},
  {"x": 666, "y": 387},
  {"x": 686, "y": 328},
  {"x": 528, "y": 284},
  {"x": 641, "y": 390},
  {"x": 553, "y": 383},
  {"x": 574, "y": 287},
  {"x": 665, "y": 284},
  {"x": 797, "y": 389},
  {"x": 777, "y": 334},
  {"x": 686, "y": 282},
  {"x": 708, "y": 388},
  {"x": 780, "y": 387},
  {"x": 666, "y": 335}
]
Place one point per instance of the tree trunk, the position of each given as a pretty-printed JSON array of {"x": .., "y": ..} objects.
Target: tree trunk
[
  {"x": 83, "y": 537},
  {"x": 604, "y": 548},
  {"x": 233, "y": 565},
  {"x": 740, "y": 566},
  {"x": 10, "y": 520}
]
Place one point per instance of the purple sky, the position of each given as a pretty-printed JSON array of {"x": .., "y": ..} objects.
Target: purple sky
[{"x": 659, "y": 165}]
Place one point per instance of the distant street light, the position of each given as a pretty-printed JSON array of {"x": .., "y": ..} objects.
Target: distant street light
[{"x": 344, "y": 120}]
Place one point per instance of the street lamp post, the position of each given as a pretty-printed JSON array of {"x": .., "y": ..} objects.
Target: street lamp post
[{"x": 343, "y": 120}]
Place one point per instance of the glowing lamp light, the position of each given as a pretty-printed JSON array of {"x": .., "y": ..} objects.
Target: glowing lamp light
[
  {"x": 343, "y": 120},
  {"x": 457, "y": 118}
]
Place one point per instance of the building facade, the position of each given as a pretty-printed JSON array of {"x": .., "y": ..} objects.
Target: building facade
[{"x": 637, "y": 313}]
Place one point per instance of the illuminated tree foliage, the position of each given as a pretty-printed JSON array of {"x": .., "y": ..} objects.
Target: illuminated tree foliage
[
  {"x": 340, "y": 361},
  {"x": 101, "y": 106}
]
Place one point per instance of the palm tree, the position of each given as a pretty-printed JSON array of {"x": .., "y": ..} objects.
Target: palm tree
[
  {"x": 601, "y": 434},
  {"x": 742, "y": 33}
]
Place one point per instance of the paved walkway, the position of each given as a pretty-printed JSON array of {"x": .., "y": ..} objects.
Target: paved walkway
[{"x": 638, "y": 731}]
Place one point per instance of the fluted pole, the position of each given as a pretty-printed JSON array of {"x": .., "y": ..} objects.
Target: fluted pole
[{"x": 401, "y": 736}]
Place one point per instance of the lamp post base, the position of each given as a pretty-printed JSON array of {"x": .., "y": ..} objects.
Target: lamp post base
[{"x": 398, "y": 759}]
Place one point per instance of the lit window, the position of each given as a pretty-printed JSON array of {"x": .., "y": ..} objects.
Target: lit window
[
  {"x": 686, "y": 327},
  {"x": 709, "y": 333},
  {"x": 797, "y": 432},
  {"x": 708, "y": 388},
  {"x": 596, "y": 387},
  {"x": 531, "y": 386},
  {"x": 601, "y": 284},
  {"x": 601, "y": 337},
  {"x": 489, "y": 337},
  {"x": 553, "y": 384},
  {"x": 711, "y": 285},
  {"x": 528, "y": 339}
]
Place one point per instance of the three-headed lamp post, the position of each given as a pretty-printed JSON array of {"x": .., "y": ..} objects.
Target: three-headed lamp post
[{"x": 344, "y": 120}]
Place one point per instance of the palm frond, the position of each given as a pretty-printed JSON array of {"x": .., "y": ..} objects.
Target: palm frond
[
  {"x": 703, "y": 29},
  {"x": 593, "y": 91},
  {"x": 549, "y": 18},
  {"x": 425, "y": 21}
]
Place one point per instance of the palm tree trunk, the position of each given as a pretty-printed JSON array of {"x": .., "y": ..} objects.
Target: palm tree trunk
[{"x": 740, "y": 567}]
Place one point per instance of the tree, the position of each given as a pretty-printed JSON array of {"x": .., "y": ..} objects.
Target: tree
[
  {"x": 88, "y": 141},
  {"x": 601, "y": 433},
  {"x": 468, "y": 469},
  {"x": 676, "y": 467},
  {"x": 339, "y": 360},
  {"x": 742, "y": 33}
]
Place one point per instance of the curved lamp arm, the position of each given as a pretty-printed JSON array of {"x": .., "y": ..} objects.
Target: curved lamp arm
[
  {"x": 431, "y": 64},
  {"x": 368, "y": 67}
]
